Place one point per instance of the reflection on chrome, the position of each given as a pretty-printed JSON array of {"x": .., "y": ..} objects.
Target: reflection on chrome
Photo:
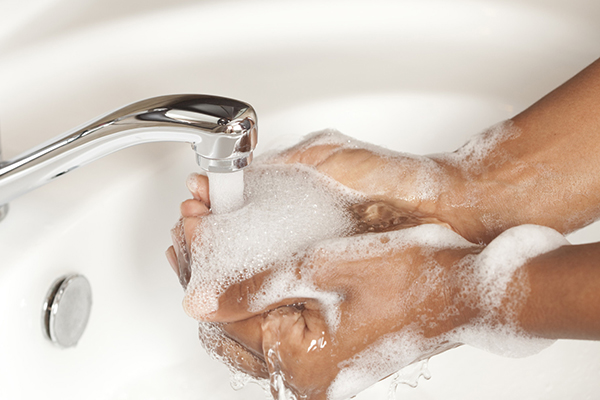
[{"x": 222, "y": 132}]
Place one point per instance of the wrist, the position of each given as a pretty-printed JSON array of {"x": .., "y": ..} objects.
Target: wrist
[
  {"x": 465, "y": 201},
  {"x": 502, "y": 291},
  {"x": 490, "y": 184},
  {"x": 460, "y": 306},
  {"x": 480, "y": 203}
]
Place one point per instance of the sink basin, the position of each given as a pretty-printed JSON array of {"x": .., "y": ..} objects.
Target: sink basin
[{"x": 414, "y": 76}]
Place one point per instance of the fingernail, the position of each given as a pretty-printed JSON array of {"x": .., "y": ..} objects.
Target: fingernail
[
  {"x": 200, "y": 306},
  {"x": 181, "y": 255},
  {"x": 185, "y": 272},
  {"x": 172, "y": 258},
  {"x": 192, "y": 183},
  {"x": 193, "y": 208}
]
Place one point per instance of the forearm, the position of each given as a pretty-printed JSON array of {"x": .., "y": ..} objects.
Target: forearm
[
  {"x": 564, "y": 293},
  {"x": 543, "y": 170}
]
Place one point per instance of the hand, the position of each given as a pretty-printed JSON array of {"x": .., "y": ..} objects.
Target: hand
[
  {"x": 397, "y": 287},
  {"x": 416, "y": 187},
  {"x": 402, "y": 190},
  {"x": 402, "y": 196},
  {"x": 248, "y": 328}
]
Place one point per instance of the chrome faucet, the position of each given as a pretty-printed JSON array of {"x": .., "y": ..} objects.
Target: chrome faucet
[{"x": 222, "y": 132}]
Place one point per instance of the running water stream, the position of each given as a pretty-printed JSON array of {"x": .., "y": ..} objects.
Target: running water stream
[{"x": 226, "y": 191}]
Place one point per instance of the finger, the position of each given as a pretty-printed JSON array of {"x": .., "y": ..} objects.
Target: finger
[
  {"x": 311, "y": 151},
  {"x": 181, "y": 253},
  {"x": 172, "y": 258},
  {"x": 198, "y": 186},
  {"x": 182, "y": 235},
  {"x": 247, "y": 332},
  {"x": 236, "y": 303},
  {"x": 351, "y": 167},
  {"x": 190, "y": 225},
  {"x": 193, "y": 208},
  {"x": 363, "y": 161},
  {"x": 240, "y": 358}
]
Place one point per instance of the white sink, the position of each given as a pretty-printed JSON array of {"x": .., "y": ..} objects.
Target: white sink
[{"x": 416, "y": 76}]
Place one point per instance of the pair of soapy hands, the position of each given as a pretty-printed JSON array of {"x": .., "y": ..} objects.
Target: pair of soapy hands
[
  {"x": 380, "y": 294},
  {"x": 544, "y": 174}
]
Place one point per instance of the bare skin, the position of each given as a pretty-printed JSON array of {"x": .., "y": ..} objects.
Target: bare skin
[
  {"x": 545, "y": 175},
  {"x": 564, "y": 302}
]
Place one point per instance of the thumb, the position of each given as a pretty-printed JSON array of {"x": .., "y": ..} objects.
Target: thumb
[
  {"x": 349, "y": 165},
  {"x": 236, "y": 302}
]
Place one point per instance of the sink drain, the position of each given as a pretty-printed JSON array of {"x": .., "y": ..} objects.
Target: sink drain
[{"x": 66, "y": 310}]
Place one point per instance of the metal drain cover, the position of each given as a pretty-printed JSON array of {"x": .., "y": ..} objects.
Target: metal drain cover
[{"x": 66, "y": 310}]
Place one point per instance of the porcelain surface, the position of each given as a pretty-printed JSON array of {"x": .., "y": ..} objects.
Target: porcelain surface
[{"x": 423, "y": 76}]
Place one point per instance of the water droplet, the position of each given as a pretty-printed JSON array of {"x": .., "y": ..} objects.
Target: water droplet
[{"x": 409, "y": 375}]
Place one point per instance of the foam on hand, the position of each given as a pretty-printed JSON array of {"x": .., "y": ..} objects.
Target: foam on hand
[
  {"x": 423, "y": 176},
  {"x": 390, "y": 354},
  {"x": 470, "y": 156},
  {"x": 287, "y": 209},
  {"x": 492, "y": 271},
  {"x": 286, "y": 283},
  {"x": 485, "y": 284},
  {"x": 292, "y": 211}
]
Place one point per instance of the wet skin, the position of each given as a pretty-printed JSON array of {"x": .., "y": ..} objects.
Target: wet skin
[{"x": 302, "y": 346}]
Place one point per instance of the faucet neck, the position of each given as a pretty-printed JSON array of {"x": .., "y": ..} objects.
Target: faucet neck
[{"x": 222, "y": 131}]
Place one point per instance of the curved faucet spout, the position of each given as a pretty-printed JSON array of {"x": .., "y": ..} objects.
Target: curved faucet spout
[{"x": 222, "y": 132}]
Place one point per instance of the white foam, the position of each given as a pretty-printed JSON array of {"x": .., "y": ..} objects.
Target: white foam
[
  {"x": 493, "y": 270},
  {"x": 388, "y": 355},
  {"x": 470, "y": 156},
  {"x": 429, "y": 236},
  {"x": 424, "y": 175},
  {"x": 508, "y": 252},
  {"x": 286, "y": 284},
  {"x": 287, "y": 209}
]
